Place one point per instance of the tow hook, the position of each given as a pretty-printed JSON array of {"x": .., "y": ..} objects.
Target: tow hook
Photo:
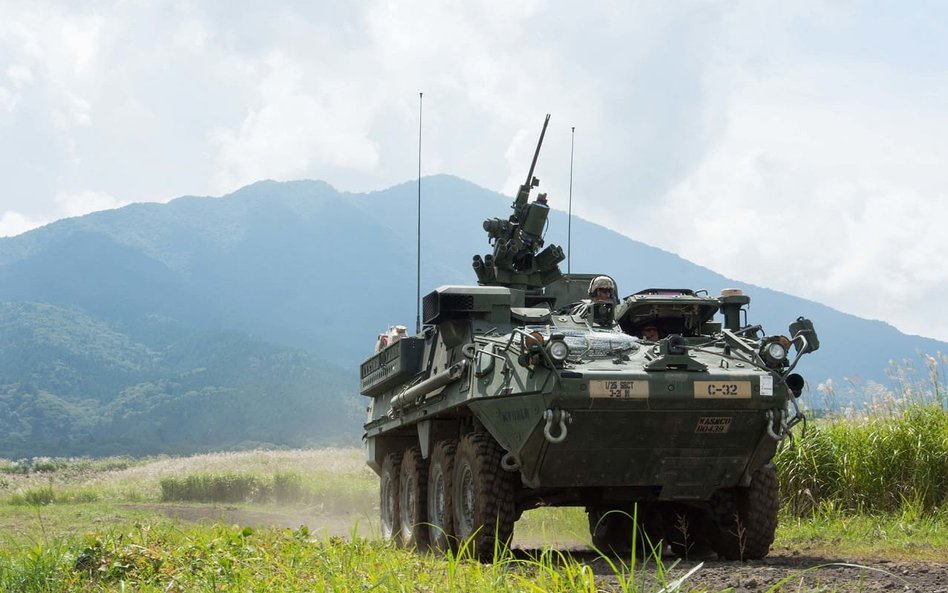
[
  {"x": 782, "y": 420},
  {"x": 556, "y": 416}
]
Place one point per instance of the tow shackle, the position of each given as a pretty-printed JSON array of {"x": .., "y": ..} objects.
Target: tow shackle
[{"x": 556, "y": 416}]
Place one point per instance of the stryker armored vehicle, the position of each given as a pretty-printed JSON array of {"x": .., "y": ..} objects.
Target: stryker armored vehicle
[{"x": 524, "y": 391}]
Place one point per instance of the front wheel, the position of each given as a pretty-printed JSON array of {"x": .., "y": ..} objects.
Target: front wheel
[
  {"x": 745, "y": 519},
  {"x": 483, "y": 497}
]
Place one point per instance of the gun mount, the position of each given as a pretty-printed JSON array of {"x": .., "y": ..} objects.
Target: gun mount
[{"x": 517, "y": 261}]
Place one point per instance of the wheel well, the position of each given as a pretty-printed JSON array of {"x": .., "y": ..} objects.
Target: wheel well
[{"x": 377, "y": 447}]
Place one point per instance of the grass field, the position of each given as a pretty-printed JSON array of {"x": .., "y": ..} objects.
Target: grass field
[
  {"x": 875, "y": 486},
  {"x": 81, "y": 525}
]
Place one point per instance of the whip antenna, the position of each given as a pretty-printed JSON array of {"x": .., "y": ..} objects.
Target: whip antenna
[
  {"x": 569, "y": 216},
  {"x": 418, "y": 263}
]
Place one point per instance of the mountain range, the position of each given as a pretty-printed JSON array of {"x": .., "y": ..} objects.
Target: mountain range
[{"x": 209, "y": 323}]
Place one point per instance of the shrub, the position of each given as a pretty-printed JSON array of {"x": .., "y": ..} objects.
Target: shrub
[
  {"x": 881, "y": 462},
  {"x": 214, "y": 488},
  {"x": 42, "y": 495},
  {"x": 287, "y": 487},
  {"x": 283, "y": 488}
]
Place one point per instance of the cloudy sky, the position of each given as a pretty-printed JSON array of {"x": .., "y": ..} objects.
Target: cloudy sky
[{"x": 795, "y": 145}]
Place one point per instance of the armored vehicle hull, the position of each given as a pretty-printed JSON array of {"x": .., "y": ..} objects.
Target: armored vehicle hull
[{"x": 524, "y": 391}]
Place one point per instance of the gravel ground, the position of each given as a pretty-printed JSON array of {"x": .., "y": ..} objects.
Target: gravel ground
[{"x": 783, "y": 571}]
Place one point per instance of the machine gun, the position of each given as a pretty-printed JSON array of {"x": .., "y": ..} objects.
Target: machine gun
[{"x": 516, "y": 262}]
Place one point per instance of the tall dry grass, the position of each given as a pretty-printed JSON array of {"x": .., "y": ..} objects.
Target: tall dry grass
[
  {"x": 890, "y": 455},
  {"x": 251, "y": 475}
]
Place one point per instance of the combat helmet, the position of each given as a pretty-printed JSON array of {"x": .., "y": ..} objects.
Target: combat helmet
[{"x": 601, "y": 282}]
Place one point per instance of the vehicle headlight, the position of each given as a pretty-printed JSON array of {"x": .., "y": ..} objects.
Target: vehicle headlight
[
  {"x": 774, "y": 351},
  {"x": 558, "y": 350}
]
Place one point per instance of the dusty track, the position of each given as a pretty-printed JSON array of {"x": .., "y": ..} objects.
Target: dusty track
[
  {"x": 801, "y": 573},
  {"x": 798, "y": 572}
]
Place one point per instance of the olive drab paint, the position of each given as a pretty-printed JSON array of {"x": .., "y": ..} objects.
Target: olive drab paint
[{"x": 532, "y": 393}]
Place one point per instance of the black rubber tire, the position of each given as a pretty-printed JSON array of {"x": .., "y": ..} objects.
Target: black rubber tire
[
  {"x": 612, "y": 532},
  {"x": 687, "y": 533},
  {"x": 388, "y": 496},
  {"x": 413, "y": 500},
  {"x": 745, "y": 519},
  {"x": 441, "y": 534},
  {"x": 482, "y": 497}
]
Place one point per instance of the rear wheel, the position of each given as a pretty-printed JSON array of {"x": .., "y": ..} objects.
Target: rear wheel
[
  {"x": 613, "y": 531},
  {"x": 745, "y": 519},
  {"x": 483, "y": 496},
  {"x": 687, "y": 533},
  {"x": 388, "y": 494},
  {"x": 440, "y": 505},
  {"x": 412, "y": 500}
]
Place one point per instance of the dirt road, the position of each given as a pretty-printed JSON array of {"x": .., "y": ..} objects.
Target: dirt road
[
  {"x": 792, "y": 571},
  {"x": 802, "y": 573}
]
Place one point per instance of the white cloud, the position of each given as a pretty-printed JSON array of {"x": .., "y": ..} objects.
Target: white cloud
[
  {"x": 80, "y": 37},
  {"x": 85, "y": 201},
  {"x": 826, "y": 191},
  {"x": 19, "y": 76},
  {"x": 294, "y": 127},
  {"x": 14, "y": 223}
]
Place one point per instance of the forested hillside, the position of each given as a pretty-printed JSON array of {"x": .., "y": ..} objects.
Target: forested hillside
[
  {"x": 210, "y": 323},
  {"x": 70, "y": 385}
]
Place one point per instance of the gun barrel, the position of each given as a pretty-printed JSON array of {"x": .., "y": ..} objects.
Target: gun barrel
[{"x": 536, "y": 154}]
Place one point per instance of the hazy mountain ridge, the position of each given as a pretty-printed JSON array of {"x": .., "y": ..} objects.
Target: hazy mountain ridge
[
  {"x": 133, "y": 329},
  {"x": 72, "y": 385}
]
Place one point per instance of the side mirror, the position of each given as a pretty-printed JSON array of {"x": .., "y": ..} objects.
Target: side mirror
[{"x": 804, "y": 327}]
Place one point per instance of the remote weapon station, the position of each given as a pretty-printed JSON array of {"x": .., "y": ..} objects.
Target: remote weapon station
[{"x": 527, "y": 390}]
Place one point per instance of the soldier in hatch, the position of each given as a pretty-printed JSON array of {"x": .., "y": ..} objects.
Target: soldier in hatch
[
  {"x": 600, "y": 306},
  {"x": 602, "y": 288},
  {"x": 650, "y": 333}
]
